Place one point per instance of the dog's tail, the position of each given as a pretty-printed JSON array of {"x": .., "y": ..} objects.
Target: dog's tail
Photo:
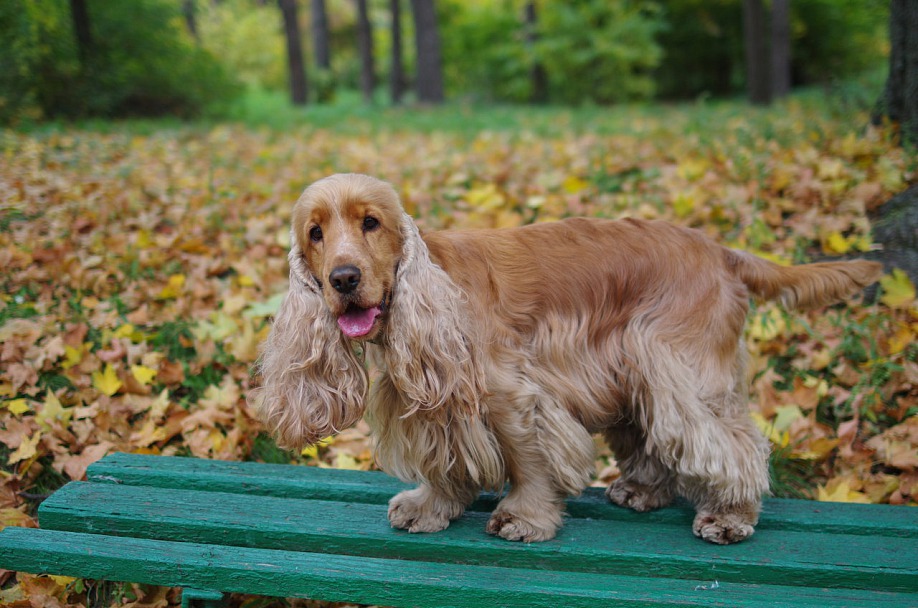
[{"x": 804, "y": 286}]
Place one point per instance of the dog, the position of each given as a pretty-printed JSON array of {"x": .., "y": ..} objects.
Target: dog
[{"x": 500, "y": 352}]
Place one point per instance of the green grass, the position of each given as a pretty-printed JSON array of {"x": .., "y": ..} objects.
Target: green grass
[{"x": 348, "y": 114}]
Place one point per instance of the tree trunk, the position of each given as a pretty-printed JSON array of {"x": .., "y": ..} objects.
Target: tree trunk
[
  {"x": 365, "y": 49},
  {"x": 188, "y": 11},
  {"x": 427, "y": 42},
  {"x": 79, "y": 12},
  {"x": 756, "y": 47},
  {"x": 899, "y": 102},
  {"x": 537, "y": 76},
  {"x": 397, "y": 69},
  {"x": 294, "y": 52},
  {"x": 780, "y": 48},
  {"x": 320, "y": 35}
]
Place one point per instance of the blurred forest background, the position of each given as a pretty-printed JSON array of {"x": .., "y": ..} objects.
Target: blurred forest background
[{"x": 79, "y": 58}]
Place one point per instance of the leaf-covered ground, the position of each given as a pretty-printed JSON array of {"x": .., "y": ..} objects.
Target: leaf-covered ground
[{"x": 141, "y": 266}]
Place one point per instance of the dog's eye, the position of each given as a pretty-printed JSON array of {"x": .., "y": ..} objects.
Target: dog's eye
[
  {"x": 370, "y": 223},
  {"x": 315, "y": 234}
]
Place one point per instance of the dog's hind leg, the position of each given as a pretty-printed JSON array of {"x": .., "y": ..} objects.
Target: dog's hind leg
[
  {"x": 697, "y": 421},
  {"x": 549, "y": 456},
  {"x": 645, "y": 483}
]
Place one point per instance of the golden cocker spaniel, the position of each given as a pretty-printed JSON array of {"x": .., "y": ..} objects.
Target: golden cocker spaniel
[{"x": 501, "y": 351}]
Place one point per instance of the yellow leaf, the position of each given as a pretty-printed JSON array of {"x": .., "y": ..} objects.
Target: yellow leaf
[
  {"x": 17, "y": 406},
  {"x": 144, "y": 239},
  {"x": 107, "y": 381},
  {"x": 73, "y": 356},
  {"x": 129, "y": 331},
  {"x": 313, "y": 450},
  {"x": 124, "y": 331},
  {"x": 51, "y": 411},
  {"x": 143, "y": 374},
  {"x": 901, "y": 340},
  {"x": 486, "y": 198},
  {"x": 246, "y": 281},
  {"x": 692, "y": 168},
  {"x": 768, "y": 428},
  {"x": 834, "y": 242},
  {"x": 898, "y": 291},
  {"x": 573, "y": 184},
  {"x": 62, "y": 581},
  {"x": 785, "y": 416},
  {"x": 683, "y": 205},
  {"x": 768, "y": 325},
  {"x": 840, "y": 491},
  {"x": 818, "y": 449},
  {"x": 173, "y": 288},
  {"x": 27, "y": 449},
  {"x": 346, "y": 461}
]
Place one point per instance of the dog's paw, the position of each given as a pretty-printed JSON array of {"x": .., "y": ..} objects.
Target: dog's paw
[
  {"x": 512, "y": 527},
  {"x": 722, "y": 528},
  {"x": 637, "y": 496},
  {"x": 416, "y": 511}
]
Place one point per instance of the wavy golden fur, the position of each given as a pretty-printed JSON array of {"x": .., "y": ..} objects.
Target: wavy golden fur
[{"x": 502, "y": 351}]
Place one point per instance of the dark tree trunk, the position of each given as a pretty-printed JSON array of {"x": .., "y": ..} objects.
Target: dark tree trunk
[
  {"x": 537, "y": 75},
  {"x": 397, "y": 70},
  {"x": 294, "y": 52},
  {"x": 755, "y": 27},
  {"x": 899, "y": 102},
  {"x": 780, "y": 48},
  {"x": 427, "y": 42},
  {"x": 188, "y": 11},
  {"x": 79, "y": 12},
  {"x": 320, "y": 35},
  {"x": 365, "y": 49}
]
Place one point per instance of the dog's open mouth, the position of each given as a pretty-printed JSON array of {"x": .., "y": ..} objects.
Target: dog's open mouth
[{"x": 357, "y": 322}]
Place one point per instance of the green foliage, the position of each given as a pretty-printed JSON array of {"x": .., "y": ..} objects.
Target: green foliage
[
  {"x": 591, "y": 50},
  {"x": 831, "y": 40},
  {"x": 599, "y": 51},
  {"x": 248, "y": 40},
  {"x": 141, "y": 62}
]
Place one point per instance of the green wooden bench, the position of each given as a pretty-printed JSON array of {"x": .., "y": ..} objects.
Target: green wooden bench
[{"x": 279, "y": 530}]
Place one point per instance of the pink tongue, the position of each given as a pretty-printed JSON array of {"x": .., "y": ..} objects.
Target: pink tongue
[{"x": 358, "y": 323}]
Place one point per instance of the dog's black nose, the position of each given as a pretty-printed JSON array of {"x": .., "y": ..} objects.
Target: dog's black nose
[{"x": 345, "y": 279}]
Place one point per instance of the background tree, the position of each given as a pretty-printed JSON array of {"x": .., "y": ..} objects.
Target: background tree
[
  {"x": 758, "y": 74},
  {"x": 537, "y": 70},
  {"x": 189, "y": 13},
  {"x": 397, "y": 66},
  {"x": 320, "y": 35},
  {"x": 295, "y": 63},
  {"x": 82, "y": 30},
  {"x": 365, "y": 49},
  {"x": 780, "y": 48},
  {"x": 899, "y": 101},
  {"x": 429, "y": 78}
]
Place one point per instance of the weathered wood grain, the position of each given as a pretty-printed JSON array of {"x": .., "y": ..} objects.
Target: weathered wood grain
[
  {"x": 638, "y": 548},
  {"x": 385, "y": 581},
  {"x": 288, "y": 481}
]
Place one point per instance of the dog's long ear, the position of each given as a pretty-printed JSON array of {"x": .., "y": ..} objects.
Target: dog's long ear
[
  {"x": 430, "y": 351},
  {"x": 314, "y": 385}
]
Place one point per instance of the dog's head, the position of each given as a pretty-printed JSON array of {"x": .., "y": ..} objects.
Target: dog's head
[
  {"x": 349, "y": 231},
  {"x": 360, "y": 271}
]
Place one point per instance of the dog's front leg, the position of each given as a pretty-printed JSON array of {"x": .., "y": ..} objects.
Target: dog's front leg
[
  {"x": 424, "y": 509},
  {"x": 548, "y": 456}
]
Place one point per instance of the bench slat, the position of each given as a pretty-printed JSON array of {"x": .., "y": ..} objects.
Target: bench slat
[
  {"x": 585, "y": 545},
  {"x": 288, "y": 481},
  {"x": 384, "y": 581}
]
